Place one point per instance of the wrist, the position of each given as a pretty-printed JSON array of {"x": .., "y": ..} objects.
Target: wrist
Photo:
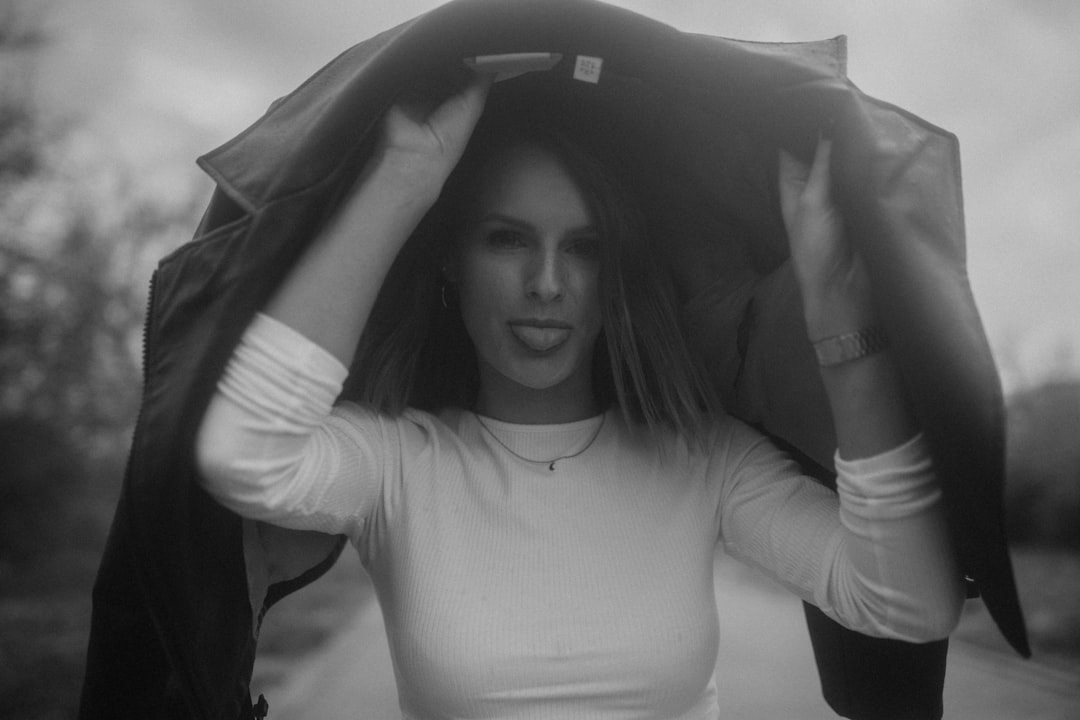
[
  {"x": 387, "y": 200},
  {"x": 843, "y": 304},
  {"x": 869, "y": 405},
  {"x": 826, "y": 319},
  {"x": 414, "y": 174},
  {"x": 401, "y": 179},
  {"x": 390, "y": 186}
]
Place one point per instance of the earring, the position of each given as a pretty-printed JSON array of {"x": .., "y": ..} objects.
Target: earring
[{"x": 444, "y": 281}]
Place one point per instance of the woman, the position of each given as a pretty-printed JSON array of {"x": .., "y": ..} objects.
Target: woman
[{"x": 544, "y": 547}]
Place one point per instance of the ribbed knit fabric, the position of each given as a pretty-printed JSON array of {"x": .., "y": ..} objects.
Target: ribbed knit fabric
[{"x": 511, "y": 590}]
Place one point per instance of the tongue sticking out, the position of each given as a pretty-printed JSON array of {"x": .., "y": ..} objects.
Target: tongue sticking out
[{"x": 540, "y": 339}]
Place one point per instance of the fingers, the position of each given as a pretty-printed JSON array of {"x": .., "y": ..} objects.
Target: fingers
[
  {"x": 818, "y": 186},
  {"x": 434, "y": 117},
  {"x": 802, "y": 185},
  {"x": 466, "y": 105},
  {"x": 792, "y": 177},
  {"x": 454, "y": 119},
  {"x": 424, "y": 97},
  {"x": 480, "y": 83}
]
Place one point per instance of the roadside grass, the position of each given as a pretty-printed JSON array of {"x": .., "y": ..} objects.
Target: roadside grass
[
  {"x": 45, "y": 608},
  {"x": 45, "y": 619}
]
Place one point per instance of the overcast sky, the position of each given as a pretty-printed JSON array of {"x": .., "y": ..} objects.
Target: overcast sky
[{"x": 158, "y": 82}]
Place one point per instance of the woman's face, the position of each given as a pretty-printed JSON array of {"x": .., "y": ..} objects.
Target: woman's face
[{"x": 528, "y": 276}]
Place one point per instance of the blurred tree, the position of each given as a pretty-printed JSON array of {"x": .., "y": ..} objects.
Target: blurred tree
[
  {"x": 77, "y": 240},
  {"x": 20, "y": 37},
  {"x": 1043, "y": 482},
  {"x": 76, "y": 248}
]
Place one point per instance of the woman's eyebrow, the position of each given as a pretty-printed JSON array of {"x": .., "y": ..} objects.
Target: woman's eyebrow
[
  {"x": 589, "y": 229},
  {"x": 504, "y": 219}
]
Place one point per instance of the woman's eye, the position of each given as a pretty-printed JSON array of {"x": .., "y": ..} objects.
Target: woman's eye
[
  {"x": 586, "y": 247},
  {"x": 505, "y": 239}
]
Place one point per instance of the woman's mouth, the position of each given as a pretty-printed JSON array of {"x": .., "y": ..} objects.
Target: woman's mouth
[{"x": 540, "y": 337}]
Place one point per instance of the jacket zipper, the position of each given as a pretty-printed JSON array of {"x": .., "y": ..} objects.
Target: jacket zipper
[{"x": 147, "y": 335}]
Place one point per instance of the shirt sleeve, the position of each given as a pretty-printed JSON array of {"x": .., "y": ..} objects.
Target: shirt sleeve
[
  {"x": 876, "y": 556},
  {"x": 272, "y": 446}
]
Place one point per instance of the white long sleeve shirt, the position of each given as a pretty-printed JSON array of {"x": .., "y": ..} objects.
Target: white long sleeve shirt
[{"x": 513, "y": 590}]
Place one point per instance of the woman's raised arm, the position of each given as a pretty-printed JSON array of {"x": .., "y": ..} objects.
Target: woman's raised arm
[
  {"x": 260, "y": 451},
  {"x": 869, "y": 408},
  {"x": 904, "y": 570},
  {"x": 328, "y": 296}
]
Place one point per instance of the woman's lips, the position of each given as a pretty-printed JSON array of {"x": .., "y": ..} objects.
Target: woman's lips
[{"x": 540, "y": 338}]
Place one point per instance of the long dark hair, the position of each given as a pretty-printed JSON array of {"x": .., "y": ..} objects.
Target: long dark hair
[{"x": 415, "y": 351}]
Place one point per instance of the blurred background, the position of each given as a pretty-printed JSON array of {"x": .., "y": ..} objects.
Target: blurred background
[{"x": 105, "y": 105}]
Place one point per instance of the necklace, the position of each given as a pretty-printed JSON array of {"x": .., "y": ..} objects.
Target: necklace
[{"x": 549, "y": 463}]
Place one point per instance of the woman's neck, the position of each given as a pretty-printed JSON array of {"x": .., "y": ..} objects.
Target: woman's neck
[{"x": 506, "y": 400}]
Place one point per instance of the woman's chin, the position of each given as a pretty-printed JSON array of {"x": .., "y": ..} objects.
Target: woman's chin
[
  {"x": 540, "y": 381},
  {"x": 540, "y": 372}
]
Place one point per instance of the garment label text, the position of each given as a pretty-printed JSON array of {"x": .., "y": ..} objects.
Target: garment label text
[{"x": 587, "y": 69}]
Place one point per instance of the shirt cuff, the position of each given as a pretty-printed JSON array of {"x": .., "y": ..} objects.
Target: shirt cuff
[
  {"x": 896, "y": 483},
  {"x": 276, "y": 372},
  {"x": 294, "y": 350}
]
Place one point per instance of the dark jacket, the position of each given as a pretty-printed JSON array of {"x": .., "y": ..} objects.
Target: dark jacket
[{"x": 694, "y": 122}]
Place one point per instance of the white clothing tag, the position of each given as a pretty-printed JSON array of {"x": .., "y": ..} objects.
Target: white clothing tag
[{"x": 587, "y": 69}]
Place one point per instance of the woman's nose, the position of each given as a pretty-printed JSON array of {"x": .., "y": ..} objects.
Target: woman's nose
[{"x": 545, "y": 277}]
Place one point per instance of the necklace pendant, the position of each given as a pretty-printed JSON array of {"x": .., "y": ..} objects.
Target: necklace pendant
[{"x": 551, "y": 467}]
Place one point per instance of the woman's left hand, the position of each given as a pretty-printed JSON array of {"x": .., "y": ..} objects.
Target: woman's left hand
[{"x": 833, "y": 281}]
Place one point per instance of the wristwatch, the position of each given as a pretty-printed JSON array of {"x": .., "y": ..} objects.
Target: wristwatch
[{"x": 850, "y": 346}]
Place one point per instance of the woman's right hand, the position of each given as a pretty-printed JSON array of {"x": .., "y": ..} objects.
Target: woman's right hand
[
  {"x": 424, "y": 137},
  {"x": 330, "y": 292}
]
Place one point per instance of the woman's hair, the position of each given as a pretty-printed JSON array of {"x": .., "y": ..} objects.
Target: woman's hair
[{"x": 416, "y": 352}]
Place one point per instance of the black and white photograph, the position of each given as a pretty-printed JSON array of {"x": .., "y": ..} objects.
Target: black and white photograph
[{"x": 547, "y": 359}]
